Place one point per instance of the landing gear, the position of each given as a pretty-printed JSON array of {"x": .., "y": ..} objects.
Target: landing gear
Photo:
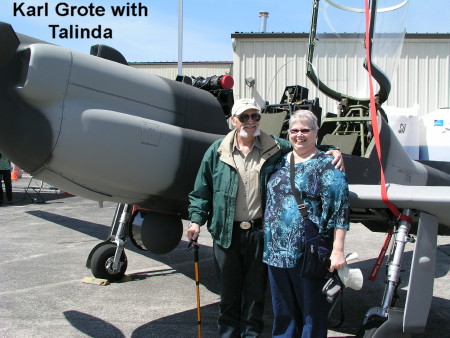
[
  {"x": 148, "y": 230},
  {"x": 380, "y": 327},
  {"x": 108, "y": 260},
  {"x": 102, "y": 262},
  {"x": 386, "y": 321},
  {"x": 369, "y": 329}
]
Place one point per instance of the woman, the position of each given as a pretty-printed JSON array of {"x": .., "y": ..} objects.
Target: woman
[{"x": 300, "y": 309}]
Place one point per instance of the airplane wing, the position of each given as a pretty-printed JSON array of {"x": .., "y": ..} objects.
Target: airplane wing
[{"x": 434, "y": 200}]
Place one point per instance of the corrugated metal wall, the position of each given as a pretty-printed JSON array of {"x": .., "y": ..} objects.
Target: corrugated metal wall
[
  {"x": 278, "y": 60},
  {"x": 423, "y": 76},
  {"x": 169, "y": 70}
]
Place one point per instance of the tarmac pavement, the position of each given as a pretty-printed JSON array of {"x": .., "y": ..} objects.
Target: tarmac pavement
[{"x": 44, "y": 247}]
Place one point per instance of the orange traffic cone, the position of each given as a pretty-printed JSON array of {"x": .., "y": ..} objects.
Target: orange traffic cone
[{"x": 14, "y": 174}]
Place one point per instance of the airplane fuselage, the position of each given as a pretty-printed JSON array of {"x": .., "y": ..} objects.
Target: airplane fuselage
[{"x": 103, "y": 130}]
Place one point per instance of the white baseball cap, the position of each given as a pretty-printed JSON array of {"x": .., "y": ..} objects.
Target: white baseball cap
[
  {"x": 351, "y": 278},
  {"x": 242, "y": 105}
]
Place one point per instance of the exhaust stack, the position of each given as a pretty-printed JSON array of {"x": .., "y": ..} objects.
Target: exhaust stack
[{"x": 263, "y": 21}]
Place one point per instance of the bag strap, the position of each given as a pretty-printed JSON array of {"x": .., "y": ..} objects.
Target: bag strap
[
  {"x": 340, "y": 297},
  {"x": 301, "y": 206}
]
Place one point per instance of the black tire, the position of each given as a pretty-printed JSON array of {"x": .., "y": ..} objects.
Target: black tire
[
  {"x": 368, "y": 330},
  {"x": 101, "y": 257}
]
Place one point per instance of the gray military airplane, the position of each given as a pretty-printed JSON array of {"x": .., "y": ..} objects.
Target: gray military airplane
[{"x": 95, "y": 127}]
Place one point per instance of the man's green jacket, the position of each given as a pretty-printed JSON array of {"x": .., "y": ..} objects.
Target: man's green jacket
[{"x": 214, "y": 195}]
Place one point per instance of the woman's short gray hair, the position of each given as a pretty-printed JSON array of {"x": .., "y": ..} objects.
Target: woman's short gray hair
[{"x": 306, "y": 117}]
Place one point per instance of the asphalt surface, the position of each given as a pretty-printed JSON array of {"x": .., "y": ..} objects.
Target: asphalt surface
[{"x": 44, "y": 247}]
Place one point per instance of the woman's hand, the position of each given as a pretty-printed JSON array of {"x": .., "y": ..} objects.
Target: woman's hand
[{"x": 337, "y": 259}]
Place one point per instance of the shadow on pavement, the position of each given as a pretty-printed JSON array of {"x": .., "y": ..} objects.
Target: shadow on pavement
[{"x": 356, "y": 303}]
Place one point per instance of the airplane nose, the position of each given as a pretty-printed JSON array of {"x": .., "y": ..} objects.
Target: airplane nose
[
  {"x": 25, "y": 133},
  {"x": 9, "y": 43}
]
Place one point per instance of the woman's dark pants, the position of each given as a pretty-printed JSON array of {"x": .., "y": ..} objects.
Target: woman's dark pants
[{"x": 300, "y": 308}]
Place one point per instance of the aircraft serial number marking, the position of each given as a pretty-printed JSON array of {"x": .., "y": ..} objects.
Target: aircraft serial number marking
[{"x": 150, "y": 134}]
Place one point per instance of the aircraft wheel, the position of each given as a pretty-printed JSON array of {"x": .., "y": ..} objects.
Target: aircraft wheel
[
  {"x": 368, "y": 330},
  {"x": 101, "y": 263}
]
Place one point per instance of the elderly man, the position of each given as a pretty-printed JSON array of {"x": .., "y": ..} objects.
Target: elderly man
[{"x": 229, "y": 194}]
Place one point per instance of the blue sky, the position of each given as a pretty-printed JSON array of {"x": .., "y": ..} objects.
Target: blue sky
[{"x": 207, "y": 24}]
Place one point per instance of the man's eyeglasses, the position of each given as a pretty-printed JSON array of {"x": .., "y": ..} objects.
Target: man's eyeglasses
[
  {"x": 303, "y": 131},
  {"x": 245, "y": 117}
]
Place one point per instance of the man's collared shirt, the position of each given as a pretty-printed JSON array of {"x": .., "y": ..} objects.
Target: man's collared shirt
[{"x": 248, "y": 199}]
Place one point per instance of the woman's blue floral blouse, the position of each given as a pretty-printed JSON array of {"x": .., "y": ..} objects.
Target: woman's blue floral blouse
[{"x": 324, "y": 191}]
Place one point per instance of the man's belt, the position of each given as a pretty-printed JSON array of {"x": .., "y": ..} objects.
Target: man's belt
[{"x": 252, "y": 224}]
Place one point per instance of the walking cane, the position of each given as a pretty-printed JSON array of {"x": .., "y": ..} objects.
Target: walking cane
[{"x": 197, "y": 287}]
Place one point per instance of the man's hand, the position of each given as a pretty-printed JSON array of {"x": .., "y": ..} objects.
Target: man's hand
[
  {"x": 193, "y": 232},
  {"x": 338, "y": 160}
]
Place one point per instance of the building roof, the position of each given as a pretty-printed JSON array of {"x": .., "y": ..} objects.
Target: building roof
[
  {"x": 171, "y": 63},
  {"x": 274, "y": 35}
]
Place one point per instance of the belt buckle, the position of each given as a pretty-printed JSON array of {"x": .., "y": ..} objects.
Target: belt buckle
[{"x": 245, "y": 225}]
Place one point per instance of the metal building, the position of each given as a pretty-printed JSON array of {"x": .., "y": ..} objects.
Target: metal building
[{"x": 265, "y": 63}]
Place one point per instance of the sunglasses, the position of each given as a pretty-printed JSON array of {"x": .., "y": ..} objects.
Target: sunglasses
[
  {"x": 303, "y": 131},
  {"x": 245, "y": 117}
]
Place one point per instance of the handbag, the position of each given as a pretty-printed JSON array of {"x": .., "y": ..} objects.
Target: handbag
[{"x": 317, "y": 249}]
